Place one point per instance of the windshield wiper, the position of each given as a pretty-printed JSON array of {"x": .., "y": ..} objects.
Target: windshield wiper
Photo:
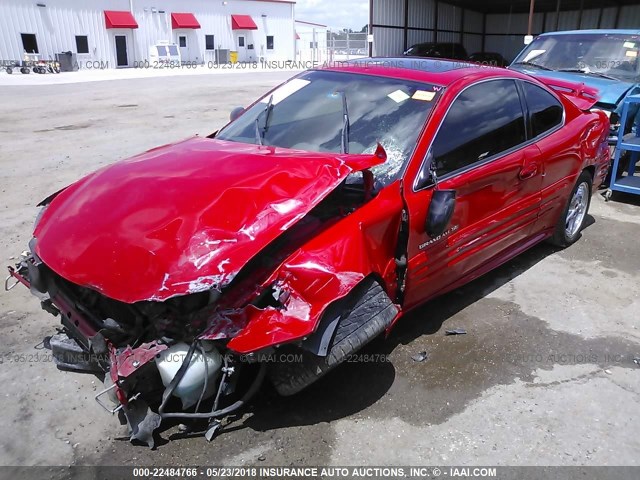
[
  {"x": 588, "y": 72},
  {"x": 345, "y": 124},
  {"x": 267, "y": 118},
  {"x": 267, "y": 111},
  {"x": 531, "y": 64}
]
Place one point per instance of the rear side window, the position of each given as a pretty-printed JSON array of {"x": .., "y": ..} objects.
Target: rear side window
[
  {"x": 545, "y": 111},
  {"x": 485, "y": 120}
]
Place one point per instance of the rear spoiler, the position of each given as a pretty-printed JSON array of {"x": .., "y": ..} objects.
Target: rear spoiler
[{"x": 579, "y": 94}]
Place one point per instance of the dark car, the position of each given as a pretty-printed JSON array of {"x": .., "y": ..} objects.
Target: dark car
[
  {"x": 454, "y": 51},
  {"x": 488, "y": 58},
  {"x": 307, "y": 226}
]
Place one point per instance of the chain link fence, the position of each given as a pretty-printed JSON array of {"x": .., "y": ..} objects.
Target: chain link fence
[{"x": 344, "y": 45}]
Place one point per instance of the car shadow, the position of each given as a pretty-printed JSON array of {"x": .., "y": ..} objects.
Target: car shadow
[{"x": 354, "y": 386}]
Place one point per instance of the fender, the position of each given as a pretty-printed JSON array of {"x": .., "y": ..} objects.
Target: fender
[
  {"x": 595, "y": 148},
  {"x": 324, "y": 270}
]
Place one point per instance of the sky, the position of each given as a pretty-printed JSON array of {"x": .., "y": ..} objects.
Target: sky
[{"x": 352, "y": 14}]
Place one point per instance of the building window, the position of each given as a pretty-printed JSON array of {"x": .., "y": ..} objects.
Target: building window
[
  {"x": 182, "y": 41},
  {"x": 82, "y": 44},
  {"x": 209, "y": 43},
  {"x": 29, "y": 43},
  {"x": 241, "y": 41},
  {"x": 269, "y": 42}
]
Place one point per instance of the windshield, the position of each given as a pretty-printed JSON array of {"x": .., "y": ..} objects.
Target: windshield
[
  {"x": 612, "y": 55},
  {"x": 310, "y": 113}
]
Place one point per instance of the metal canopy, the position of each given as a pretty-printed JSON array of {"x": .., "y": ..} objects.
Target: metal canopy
[{"x": 522, "y": 6}]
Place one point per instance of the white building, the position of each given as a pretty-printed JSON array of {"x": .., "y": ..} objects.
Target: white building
[
  {"x": 311, "y": 41},
  {"x": 123, "y": 33}
]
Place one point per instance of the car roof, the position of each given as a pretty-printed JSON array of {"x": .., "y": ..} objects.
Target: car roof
[
  {"x": 436, "y": 71},
  {"x": 593, "y": 31}
]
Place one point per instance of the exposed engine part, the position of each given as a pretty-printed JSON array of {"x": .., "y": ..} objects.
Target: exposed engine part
[
  {"x": 199, "y": 379},
  {"x": 215, "y": 413}
]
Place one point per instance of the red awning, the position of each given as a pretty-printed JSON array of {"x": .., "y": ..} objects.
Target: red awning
[
  {"x": 243, "y": 22},
  {"x": 184, "y": 20},
  {"x": 117, "y": 19}
]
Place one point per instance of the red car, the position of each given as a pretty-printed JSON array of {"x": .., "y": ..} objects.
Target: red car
[{"x": 304, "y": 228}]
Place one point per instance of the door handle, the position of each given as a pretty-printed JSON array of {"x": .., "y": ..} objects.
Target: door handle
[{"x": 528, "y": 171}]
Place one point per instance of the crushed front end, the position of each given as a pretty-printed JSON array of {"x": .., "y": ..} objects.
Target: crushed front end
[
  {"x": 149, "y": 355},
  {"x": 175, "y": 308}
]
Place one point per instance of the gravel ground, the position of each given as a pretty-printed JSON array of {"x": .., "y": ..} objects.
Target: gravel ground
[{"x": 544, "y": 376}]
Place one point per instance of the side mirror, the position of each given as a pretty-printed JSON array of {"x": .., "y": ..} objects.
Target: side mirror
[
  {"x": 235, "y": 113},
  {"x": 441, "y": 209}
]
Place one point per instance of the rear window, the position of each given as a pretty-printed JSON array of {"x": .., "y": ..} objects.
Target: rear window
[{"x": 545, "y": 111}]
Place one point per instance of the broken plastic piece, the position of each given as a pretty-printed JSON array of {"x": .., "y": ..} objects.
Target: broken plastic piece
[
  {"x": 142, "y": 422},
  {"x": 420, "y": 356},
  {"x": 214, "y": 427},
  {"x": 456, "y": 331}
]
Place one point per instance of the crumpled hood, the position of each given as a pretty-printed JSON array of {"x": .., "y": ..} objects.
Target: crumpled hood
[
  {"x": 181, "y": 218},
  {"x": 610, "y": 92}
]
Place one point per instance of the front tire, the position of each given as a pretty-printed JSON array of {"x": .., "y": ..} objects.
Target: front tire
[
  {"x": 367, "y": 312},
  {"x": 571, "y": 222}
]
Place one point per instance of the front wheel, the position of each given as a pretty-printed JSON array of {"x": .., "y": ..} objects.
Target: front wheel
[
  {"x": 572, "y": 220},
  {"x": 366, "y": 312}
]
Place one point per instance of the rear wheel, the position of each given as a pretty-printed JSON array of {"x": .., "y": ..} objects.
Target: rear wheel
[
  {"x": 572, "y": 219},
  {"x": 367, "y": 311}
]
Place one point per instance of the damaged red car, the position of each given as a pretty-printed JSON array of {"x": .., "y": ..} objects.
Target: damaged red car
[{"x": 274, "y": 248}]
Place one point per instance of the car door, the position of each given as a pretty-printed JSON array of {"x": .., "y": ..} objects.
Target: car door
[{"x": 481, "y": 152}]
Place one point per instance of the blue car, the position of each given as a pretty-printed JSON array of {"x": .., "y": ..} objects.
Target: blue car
[{"x": 603, "y": 59}]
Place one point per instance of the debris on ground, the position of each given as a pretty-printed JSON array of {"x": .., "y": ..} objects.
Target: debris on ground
[
  {"x": 456, "y": 331},
  {"x": 420, "y": 356}
]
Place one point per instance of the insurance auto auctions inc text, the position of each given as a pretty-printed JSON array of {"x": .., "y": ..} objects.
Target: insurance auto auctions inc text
[{"x": 375, "y": 472}]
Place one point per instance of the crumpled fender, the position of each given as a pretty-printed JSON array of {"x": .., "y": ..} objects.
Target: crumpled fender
[{"x": 324, "y": 270}]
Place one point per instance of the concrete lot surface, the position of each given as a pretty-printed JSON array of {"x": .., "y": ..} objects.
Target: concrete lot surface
[{"x": 544, "y": 376}]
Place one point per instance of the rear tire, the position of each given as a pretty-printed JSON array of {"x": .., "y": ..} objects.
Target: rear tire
[
  {"x": 367, "y": 312},
  {"x": 571, "y": 222}
]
